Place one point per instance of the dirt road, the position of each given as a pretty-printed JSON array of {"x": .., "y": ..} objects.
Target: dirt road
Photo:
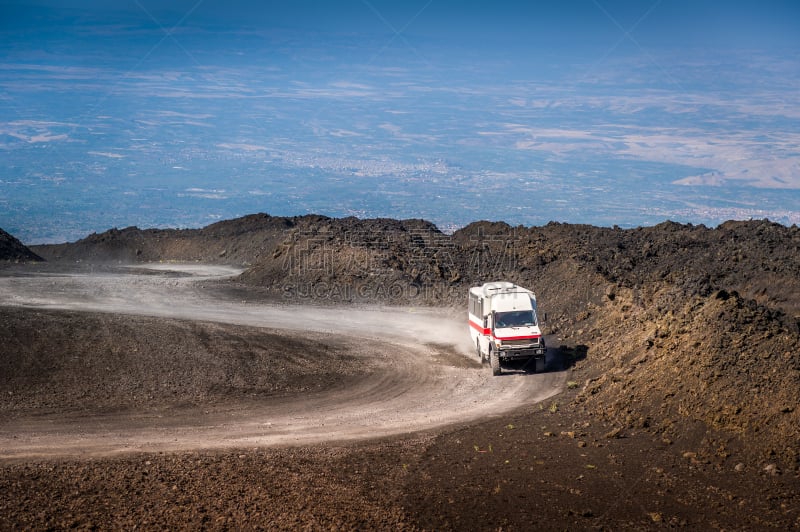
[{"x": 426, "y": 375}]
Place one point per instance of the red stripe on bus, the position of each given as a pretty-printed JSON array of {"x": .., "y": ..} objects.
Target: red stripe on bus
[{"x": 479, "y": 328}]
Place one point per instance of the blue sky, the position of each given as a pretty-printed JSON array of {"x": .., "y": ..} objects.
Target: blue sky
[
  {"x": 666, "y": 22},
  {"x": 593, "y": 111}
]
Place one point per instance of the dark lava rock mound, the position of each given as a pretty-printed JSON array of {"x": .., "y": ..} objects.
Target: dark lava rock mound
[{"x": 13, "y": 250}]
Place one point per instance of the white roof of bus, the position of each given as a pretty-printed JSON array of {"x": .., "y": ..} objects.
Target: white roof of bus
[{"x": 498, "y": 287}]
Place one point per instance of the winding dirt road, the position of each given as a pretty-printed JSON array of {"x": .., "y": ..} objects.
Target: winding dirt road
[{"x": 417, "y": 389}]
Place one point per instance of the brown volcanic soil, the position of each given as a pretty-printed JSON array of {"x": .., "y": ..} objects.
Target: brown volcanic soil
[
  {"x": 73, "y": 362},
  {"x": 682, "y": 407},
  {"x": 551, "y": 465}
]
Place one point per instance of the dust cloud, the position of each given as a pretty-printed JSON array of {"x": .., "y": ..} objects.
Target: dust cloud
[{"x": 419, "y": 389}]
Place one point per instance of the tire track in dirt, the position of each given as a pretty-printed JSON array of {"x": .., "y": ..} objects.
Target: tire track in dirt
[{"x": 413, "y": 389}]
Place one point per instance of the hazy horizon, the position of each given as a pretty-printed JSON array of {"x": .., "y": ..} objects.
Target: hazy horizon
[{"x": 602, "y": 112}]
